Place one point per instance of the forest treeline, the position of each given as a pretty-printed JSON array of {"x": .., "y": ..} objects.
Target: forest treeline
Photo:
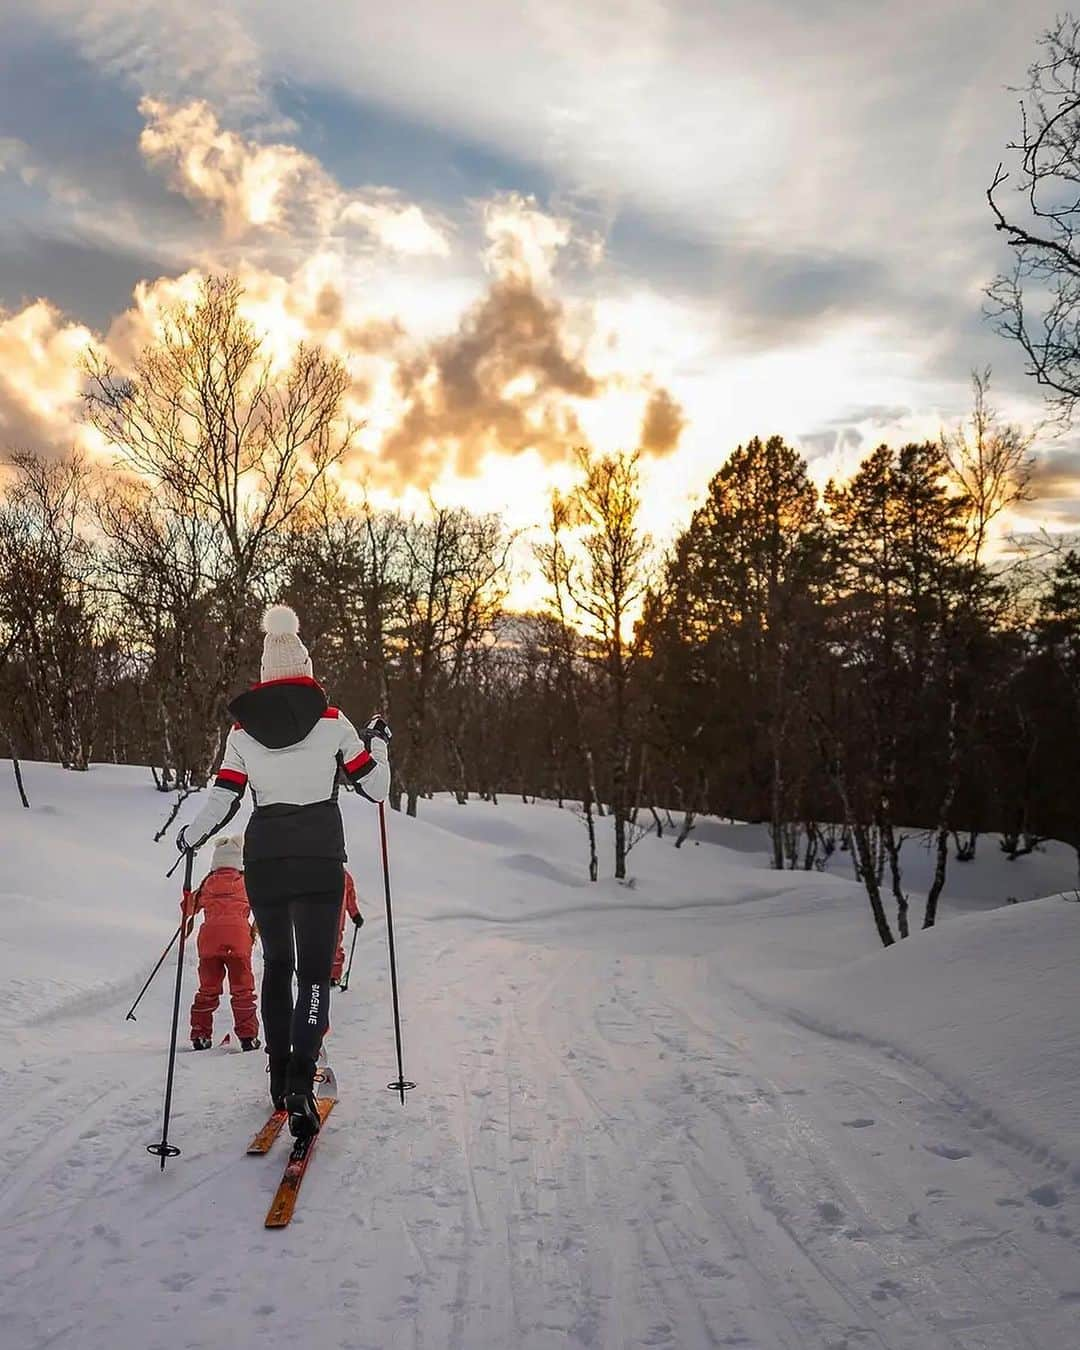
[{"x": 849, "y": 665}]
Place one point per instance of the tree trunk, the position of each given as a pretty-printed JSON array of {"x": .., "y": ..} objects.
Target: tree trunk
[
  {"x": 930, "y": 917},
  {"x": 862, "y": 850},
  {"x": 461, "y": 791},
  {"x": 19, "y": 779},
  {"x": 776, "y": 837},
  {"x": 860, "y": 835},
  {"x": 813, "y": 840},
  {"x": 930, "y": 914},
  {"x": 590, "y": 780},
  {"x": 685, "y": 828},
  {"x": 892, "y": 852},
  {"x": 590, "y": 828},
  {"x": 776, "y": 827}
]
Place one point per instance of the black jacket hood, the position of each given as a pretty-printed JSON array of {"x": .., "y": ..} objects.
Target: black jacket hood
[{"x": 280, "y": 712}]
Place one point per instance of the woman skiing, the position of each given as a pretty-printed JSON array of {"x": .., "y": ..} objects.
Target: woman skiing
[
  {"x": 291, "y": 747},
  {"x": 225, "y": 941}
]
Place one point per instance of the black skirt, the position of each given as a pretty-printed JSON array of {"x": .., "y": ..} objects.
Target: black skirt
[{"x": 284, "y": 830}]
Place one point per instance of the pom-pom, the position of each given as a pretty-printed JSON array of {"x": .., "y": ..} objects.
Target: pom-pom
[{"x": 279, "y": 620}]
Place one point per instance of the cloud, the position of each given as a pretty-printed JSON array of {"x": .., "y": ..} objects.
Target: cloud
[
  {"x": 500, "y": 384},
  {"x": 274, "y": 188},
  {"x": 510, "y": 378},
  {"x": 851, "y": 430},
  {"x": 494, "y": 352},
  {"x": 514, "y": 375},
  {"x": 523, "y": 242},
  {"x": 662, "y": 424},
  {"x": 199, "y": 49},
  {"x": 40, "y": 383},
  {"x": 1056, "y": 474},
  {"x": 400, "y": 228},
  {"x": 833, "y": 441},
  {"x": 15, "y": 157},
  {"x": 254, "y": 187}
]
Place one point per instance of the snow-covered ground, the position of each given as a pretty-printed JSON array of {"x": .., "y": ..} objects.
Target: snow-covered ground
[{"x": 704, "y": 1110}]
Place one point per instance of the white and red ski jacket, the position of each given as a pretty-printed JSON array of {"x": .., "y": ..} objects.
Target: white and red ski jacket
[{"x": 289, "y": 747}]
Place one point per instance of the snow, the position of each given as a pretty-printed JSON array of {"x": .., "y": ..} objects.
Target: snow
[{"x": 706, "y": 1109}]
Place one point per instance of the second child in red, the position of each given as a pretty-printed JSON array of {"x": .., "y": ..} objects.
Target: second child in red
[{"x": 348, "y": 906}]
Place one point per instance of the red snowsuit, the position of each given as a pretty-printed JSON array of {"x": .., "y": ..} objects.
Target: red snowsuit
[
  {"x": 225, "y": 942},
  {"x": 347, "y": 904}
]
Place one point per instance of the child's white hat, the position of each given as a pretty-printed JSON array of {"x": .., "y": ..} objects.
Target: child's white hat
[{"x": 228, "y": 852}]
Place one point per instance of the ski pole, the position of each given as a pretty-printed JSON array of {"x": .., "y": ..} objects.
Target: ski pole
[
  {"x": 344, "y": 982},
  {"x": 401, "y": 1086},
  {"x": 164, "y": 1149},
  {"x": 161, "y": 960}
]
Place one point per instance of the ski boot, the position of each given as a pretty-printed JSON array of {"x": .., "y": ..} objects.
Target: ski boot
[
  {"x": 300, "y": 1098},
  {"x": 250, "y": 1043},
  {"x": 202, "y": 1043},
  {"x": 278, "y": 1069}
]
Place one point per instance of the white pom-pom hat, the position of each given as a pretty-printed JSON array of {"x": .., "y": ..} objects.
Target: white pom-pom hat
[
  {"x": 228, "y": 852},
  {"x": 284, "y": 656}
]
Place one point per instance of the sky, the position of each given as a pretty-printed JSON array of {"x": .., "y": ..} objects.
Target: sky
[{"x": 665, "y": 224}]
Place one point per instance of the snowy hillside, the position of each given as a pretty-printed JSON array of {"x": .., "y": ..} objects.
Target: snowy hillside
[{"x": 704, "y": 1110}]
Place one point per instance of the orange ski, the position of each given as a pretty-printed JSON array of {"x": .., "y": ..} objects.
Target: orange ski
[
  {"x": 263, "y": 1141},
  {"x": 284, "y": 1202}
]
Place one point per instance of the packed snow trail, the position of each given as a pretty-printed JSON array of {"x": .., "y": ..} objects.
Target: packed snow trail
[{"x": 616, "y": 1140}]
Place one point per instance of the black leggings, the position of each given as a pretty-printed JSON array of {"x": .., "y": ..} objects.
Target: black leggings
[{"x": 313, "y": 920}]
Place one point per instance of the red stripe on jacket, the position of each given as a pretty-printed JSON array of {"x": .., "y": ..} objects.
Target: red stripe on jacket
[
  {"x": 232, "y": 777},
  {"x": 361, "y": 761}
]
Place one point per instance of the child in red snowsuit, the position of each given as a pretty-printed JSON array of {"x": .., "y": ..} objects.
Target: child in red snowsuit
[
  {"x": 225, "y": 942},
  {"x": 349, "y": 906}
]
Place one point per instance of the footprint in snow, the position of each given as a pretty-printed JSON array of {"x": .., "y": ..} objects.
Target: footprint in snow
[
  {"x": 861, "y": 1123},
  {"x": 829, "y": 1212},
  {"x": 1048, "y": 1196},
  {"x": 947, "y": 1151}
]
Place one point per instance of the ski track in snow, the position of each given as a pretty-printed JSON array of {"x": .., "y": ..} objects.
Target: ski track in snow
[
  {"x": 611, "y": 1145},
  {"x": 594, "y": 1158}
]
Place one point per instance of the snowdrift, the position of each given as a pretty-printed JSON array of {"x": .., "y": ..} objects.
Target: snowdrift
[
  {"x": 704, "y": 1108},
  {"x": 989, "y": 1005}
]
